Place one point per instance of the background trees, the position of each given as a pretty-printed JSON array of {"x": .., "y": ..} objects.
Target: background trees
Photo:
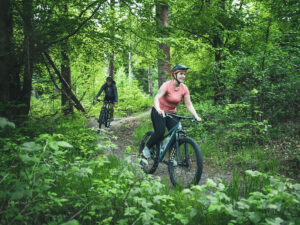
[{"x": 240, "y": 52}]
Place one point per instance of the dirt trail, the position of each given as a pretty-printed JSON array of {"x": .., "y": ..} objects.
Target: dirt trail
[{"x": 121, "y": 135}]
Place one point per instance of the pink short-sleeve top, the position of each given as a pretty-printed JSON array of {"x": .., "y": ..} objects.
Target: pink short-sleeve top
[{"x": 168, "y": 102}]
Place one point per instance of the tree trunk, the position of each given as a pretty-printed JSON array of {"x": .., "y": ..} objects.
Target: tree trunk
[
  {"x": 111, "y": 64},
  {"x": 5, "y": 49},
  {"x": 266, "y": 43},
  {"x": 163, "y": 62},
  {"x": 112, "y": 53},
  {"x": 66, "y": 104},
  {"x": 150, "y": 86},
  {"x": 62, "y": 80},
  {"x": 28, "y": 57},
  {"x": 130, "y": 73}
]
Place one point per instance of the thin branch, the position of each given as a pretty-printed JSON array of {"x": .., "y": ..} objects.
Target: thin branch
[
  {"x": 89, "y": 6},
  {"x": 63, "y": 81},
  {"x": 78, "y": 28},
  {"x": 193, "y": 33},
  {"x": 80, "y": 211}
]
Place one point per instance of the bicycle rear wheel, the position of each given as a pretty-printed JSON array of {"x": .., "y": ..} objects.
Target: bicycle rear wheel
[
  {"x": 188, "y": 158},
  {"x": 149, "y": 165}
]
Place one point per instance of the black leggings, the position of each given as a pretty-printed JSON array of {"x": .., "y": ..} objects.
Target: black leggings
[{"x": 159, "y": 123}]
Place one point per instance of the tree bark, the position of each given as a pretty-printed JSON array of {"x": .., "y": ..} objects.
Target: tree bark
[
  {"x": 163, "y": 62},
  {"x": 111, "y": 64},
  {"x": 62, "y": 80},
  {"x": 28, "y": 56},
  {"x": 150, "y": 86},
  {"x": 66, "y": 103},
  {"x": 130, "y": 73},
  {"x": 6, "y": 33},
  {"x": 112, "y": 53}
]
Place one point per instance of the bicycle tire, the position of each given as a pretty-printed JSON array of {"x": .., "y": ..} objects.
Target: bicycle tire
[
  {"x": 108, "y": 117},
  {"x": 152, "y": 163},
  {"x": 101, "y": 117},
  {"x": 189, "y": 156}
]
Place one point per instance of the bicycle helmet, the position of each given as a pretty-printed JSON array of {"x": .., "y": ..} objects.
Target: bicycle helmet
[
  {"x": 178, "y": 68},
  {"x": 110, "y": 79}
]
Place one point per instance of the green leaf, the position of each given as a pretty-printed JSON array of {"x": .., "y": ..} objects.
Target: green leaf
[
  {"x": 4, "y": 122},
  {"x": 64, "y": 144},
  {"x": 71, "y": 222},
  {"x": 17, "y": 195},
  {"x": 254, "y": 217},
  {"x": 30, "y": 147},
  {"x": 53, "y": 145},
  {"x": 274, "y": 221},
  {"x": 253, "y": 173}
]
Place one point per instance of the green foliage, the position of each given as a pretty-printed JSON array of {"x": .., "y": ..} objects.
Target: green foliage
[
  {"x": 131, "y": 98},
  {"x": 62, "y": 188},
  {"x": 140, "y": 131}
]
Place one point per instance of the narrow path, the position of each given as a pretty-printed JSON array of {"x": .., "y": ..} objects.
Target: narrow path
[{"x": 121, "y": 135}]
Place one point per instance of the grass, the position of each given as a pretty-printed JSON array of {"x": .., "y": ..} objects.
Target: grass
[
  {"x": 81, "y": 185},
  {"x": 139, "y": 132}
]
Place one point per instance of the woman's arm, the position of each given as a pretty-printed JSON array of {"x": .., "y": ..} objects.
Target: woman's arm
[
  {"x": 159, "y": 94},
  {"x": 188, "y": 103}
]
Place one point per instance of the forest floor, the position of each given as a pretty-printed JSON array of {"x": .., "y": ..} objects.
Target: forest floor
[{"x": 120, "y": 134}]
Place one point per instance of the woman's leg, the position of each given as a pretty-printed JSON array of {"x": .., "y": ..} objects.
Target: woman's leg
[
  {"x": 159, "y": 124},
  {"x": 170, "y": 123}
]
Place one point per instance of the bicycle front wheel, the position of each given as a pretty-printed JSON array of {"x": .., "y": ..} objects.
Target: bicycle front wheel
[
  {"x": 149, "y": 165},
  {"x": 102, "y": 117},
  {"x": 108, "y": 118},
  {"x": 186, "y": 163}
]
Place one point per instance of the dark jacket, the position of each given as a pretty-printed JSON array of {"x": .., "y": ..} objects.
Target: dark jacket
[{"x": 110, "y": 92}]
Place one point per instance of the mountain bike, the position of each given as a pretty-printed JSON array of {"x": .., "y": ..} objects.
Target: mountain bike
[
  {"x": 105, "y": 114},
  {"x": 185, "y": 162}
]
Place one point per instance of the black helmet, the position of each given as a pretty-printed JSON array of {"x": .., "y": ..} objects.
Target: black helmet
[
  {"x": 178, "y": 68},
  {"x": 110, "y": 79}
]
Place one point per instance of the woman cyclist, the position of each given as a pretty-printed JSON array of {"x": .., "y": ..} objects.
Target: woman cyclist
[
  {"x": 111, "y": 93},
  {"x": 166, "y": 100}
]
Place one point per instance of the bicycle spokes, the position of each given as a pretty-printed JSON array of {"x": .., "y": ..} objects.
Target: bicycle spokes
[{"x": 188, "y": 167}]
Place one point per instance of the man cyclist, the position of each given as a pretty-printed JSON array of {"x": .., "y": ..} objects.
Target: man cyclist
[{"x": 111, "y": 94}]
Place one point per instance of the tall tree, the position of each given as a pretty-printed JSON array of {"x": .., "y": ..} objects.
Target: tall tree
[
  {"x": 112, "y": 53},
  {"x": 6, "y": 35},
  {"x": 28, "y": 55},
  {"x": 150, "y": 86},
  {"x": 163, "y": 62},
  {"x": 67, "y": 106},
  {"x": 66, "y": 103}
]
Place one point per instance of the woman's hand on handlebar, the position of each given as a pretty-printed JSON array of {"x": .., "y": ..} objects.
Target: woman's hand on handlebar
[
  {"x": 161, "y": 112},
  {"x": 198, "y": 119}
]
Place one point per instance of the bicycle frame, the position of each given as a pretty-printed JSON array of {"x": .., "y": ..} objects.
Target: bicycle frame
[
  {"x": 106, "y": 109},
  {"x": 174, "y": 132}
]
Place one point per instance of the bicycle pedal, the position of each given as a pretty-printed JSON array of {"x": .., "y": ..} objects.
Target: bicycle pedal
[{"x": 165, "y": 162}]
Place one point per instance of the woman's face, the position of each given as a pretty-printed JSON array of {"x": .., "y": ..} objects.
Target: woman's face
[{"x": 181, "y": 76}]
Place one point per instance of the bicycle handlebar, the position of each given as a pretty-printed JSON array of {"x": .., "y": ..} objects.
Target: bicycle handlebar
[
  {"x": 181, "y": 117},
  {"x": 101, "y": 100}
]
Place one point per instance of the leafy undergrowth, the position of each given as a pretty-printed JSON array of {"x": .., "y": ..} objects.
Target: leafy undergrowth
[{"x": 49, "y": 178}]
